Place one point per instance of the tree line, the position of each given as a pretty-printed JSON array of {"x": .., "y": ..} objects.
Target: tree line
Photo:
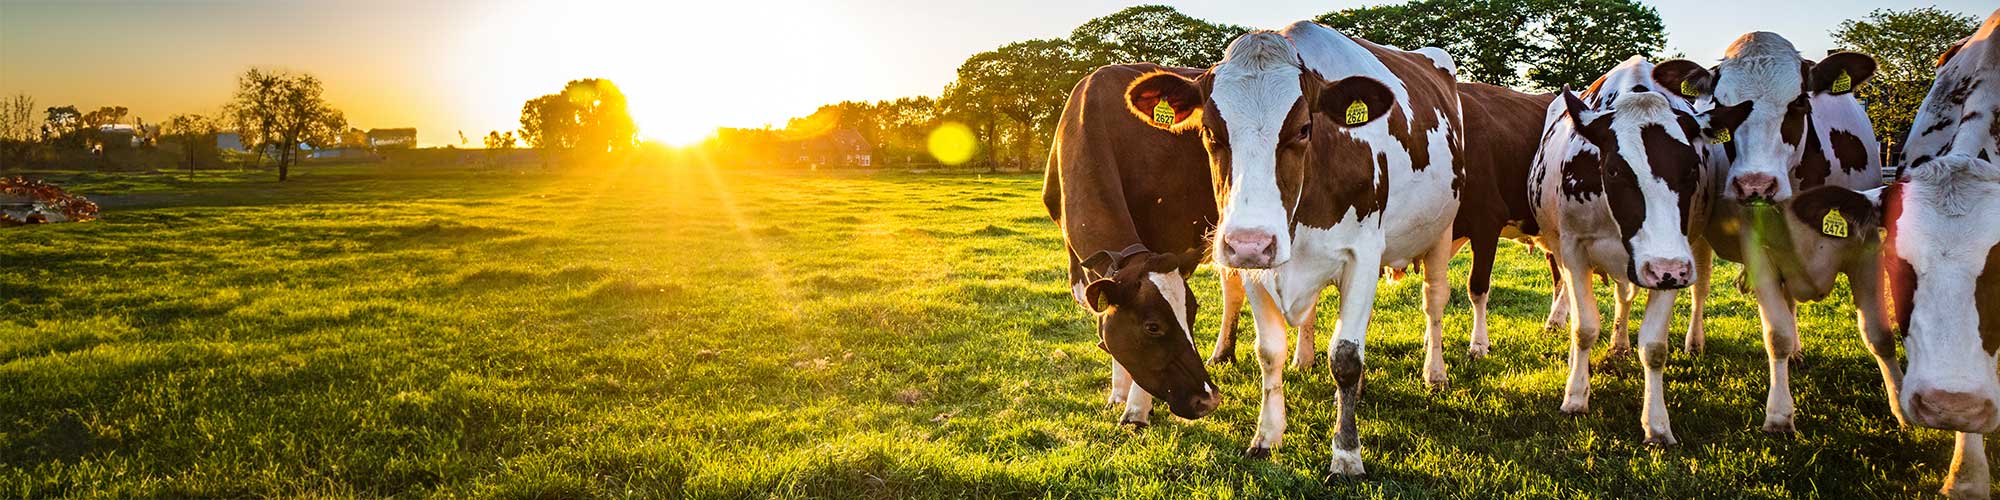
[{"x": 1012, "y": 96}]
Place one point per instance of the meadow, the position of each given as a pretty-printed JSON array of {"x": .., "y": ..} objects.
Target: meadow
[{"x": 693, "y": 331}]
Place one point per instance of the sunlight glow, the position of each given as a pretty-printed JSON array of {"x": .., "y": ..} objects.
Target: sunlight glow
[{"x": 952, "y": 143}]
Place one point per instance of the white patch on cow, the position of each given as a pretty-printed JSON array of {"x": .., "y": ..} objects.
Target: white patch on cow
[
  {"x": 1762, "y": 67},
  {"x": 1256, "y": 85},
  {"x": 1845, "y": 114},
  {"x": 1948, "y": 226},
  {"x": 1660, "y": 236},
  {"x": 1076, "y": 292},
  {"x": 1173, "y": 288},
  {"x": 1440, "y": 58}
]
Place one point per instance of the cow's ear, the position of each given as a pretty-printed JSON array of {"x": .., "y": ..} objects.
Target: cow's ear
[
  {"x": 1841, "y": 73},
  {"x": 1163, "y": 99},
  {"x": 1718, "y": 122},
  {"x": 1580, "y": 115},
  {"x": 1838, "y": 212},
  {"x": 1684, "y": 78},
  {"x": 1953, "y": 50},
  {"x": 1356, "y": 100},
  {"x": 1097, "y": 295}
]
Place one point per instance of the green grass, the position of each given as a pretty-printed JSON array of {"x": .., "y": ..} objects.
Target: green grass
[{"x": 688, "y": 332}]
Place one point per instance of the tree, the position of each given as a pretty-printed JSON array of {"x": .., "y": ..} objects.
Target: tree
[
  {"x": 497, "y": 140},
  {"x": 1539, "y": 44},
  {"x": 106, "y": 115},
  {"x": 283, "y": 111},
  {"x": 589, "y": 115},
  {"x": 1152, "y": 33},
  {"x": 17, "y": 129},
  {"x": 61, "y": 126},
  {"x": 196, "y": 135},
  {"x": 1906, "y": 45},
  {"x": 1015, "y": 92}
]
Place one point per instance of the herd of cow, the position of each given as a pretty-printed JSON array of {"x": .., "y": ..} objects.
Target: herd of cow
[{"x": 1307, "y": 158}]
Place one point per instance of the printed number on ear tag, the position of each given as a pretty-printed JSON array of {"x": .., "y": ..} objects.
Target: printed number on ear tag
[
  {"x": 1687, "y": 89},
  {"x": 1357, "y": 113},
  {"x": 1721, "y": 135},
  {"x": 1833, "y": 224},
  {"x": 1163, "y": 113},
  {"x": 1842, "y": 83}
]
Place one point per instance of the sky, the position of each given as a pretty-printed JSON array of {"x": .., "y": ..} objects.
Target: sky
[{"x": 446, "y": 66}]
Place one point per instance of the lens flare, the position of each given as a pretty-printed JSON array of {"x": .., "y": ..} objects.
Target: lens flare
[{"x": 952, "y": 143}]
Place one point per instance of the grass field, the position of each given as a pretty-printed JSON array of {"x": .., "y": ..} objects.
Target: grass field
[{"x": 689, "y": 332}]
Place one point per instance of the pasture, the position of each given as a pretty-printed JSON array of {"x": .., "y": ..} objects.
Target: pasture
[{"x": 689, "y": 331}]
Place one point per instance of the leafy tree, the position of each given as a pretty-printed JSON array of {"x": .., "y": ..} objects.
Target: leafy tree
[
  {"x": 589, "y": 115},
  {"x": 1540, "y": 44},
  {"x": 196, "y": 135},
  {"x": 497, "y": 140},
  {"x": 1152, "y": 33},
  {"x": 106, "y": 115},
  {"x": 283, "y": 111},
  {"x": 1906, "y": 45},
  {"x": 1022, "y": 87},
  {"x": 61, "y": 126}
]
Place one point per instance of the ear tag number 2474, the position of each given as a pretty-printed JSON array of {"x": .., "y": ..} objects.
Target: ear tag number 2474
[{"x": 1833, "y": 224}]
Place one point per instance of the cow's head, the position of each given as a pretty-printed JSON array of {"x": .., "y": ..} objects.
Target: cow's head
[
  {"x": 1944, "y": 281},
  {"x": 1256, "y": 111},
  {"x": 1763, "y": 68},
  {"x": 1145, "y": 315},
  {"x": 1649, "y": 168}
]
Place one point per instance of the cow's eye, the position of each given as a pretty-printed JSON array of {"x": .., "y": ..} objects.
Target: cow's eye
[
  {"x": 1305, "y": 132},
  {"x": 1153, "y": 329}
]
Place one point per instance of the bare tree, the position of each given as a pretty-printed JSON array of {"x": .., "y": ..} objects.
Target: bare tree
[
  {"x": 194, "y": 132},
  {"x": 283, "y": 111},
  {"x": 18, "y": 127}
]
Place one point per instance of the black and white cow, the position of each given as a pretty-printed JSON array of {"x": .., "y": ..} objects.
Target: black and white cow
[
  {"x": 1333, "y": 158},
  {"x": 1805, "y": 131},
  {"x": 1616, "y": 185},
  {"x": 1942, "y": 256}
]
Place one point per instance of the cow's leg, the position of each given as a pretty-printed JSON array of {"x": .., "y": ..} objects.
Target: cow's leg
[
  {"x": 1583, "y": 329},
  {"x": 1621, "y": 341},
  {"x": 1138, "y": 407},
  {"x": 1781, "y": 337},
  {"x": 1269, "y": 320},
  {"x": 1866, "y": 283},
  {"x": 1232, "y": 306},
  {"x": 1558, "y": 301},
  {"x": 1121, "y": 384},
  {"x": 1477, "y": 286},
  {"x": 1357, "y": 301},
  {"x": 1970, "y": 476},
  {"x": 1302, "y": 356},
  {"x": 1437, "y": 292},
  {"x": 1653, "y": 354},
  {"x": 1704, "y": 264}
]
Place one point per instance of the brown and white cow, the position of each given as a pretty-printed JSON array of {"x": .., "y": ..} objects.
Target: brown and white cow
[
  {"x": 1806, "y": 130},
  {"x": 1617, "y": 187},
  {"x": 1942, "y": 256},
  {"x": 1135, "y": 207},
  {"x": 1333, "y": 157},
  {"x": 1502, "y": 135}
]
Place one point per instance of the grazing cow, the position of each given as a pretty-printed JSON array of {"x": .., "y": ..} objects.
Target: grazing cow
[
  {"x": 1135, "y": 205},
  {"x": 1806, "y": 130},
  {"x": 1501, "y": 131},
  {"x": 1333, "y": 157},
  {"x": 1616, "y": 187},
  {"x": 1943, "y": 256}
]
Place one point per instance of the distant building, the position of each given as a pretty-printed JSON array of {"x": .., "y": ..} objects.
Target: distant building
[
  {"x": 839, "y": 148},
  {"x": 398, "y": 138}
]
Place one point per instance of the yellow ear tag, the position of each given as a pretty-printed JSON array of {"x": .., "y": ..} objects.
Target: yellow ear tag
[
  {"x": 1833, "y": 224},
  {"x": 1163, "y": 113},
  {"x": 1357, "y": 113},
  {"x": 1687, "y": 89},
  {"x": 1841, "y": 84},
  {"x": 1721, "y": 135}
]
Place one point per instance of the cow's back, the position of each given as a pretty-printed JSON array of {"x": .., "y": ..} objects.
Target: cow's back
[
  {"x": 1114, "y": 181},
  {"x": 1502, "y": 133}
]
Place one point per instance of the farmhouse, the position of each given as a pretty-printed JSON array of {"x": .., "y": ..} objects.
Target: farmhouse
[
  {"x": 401, "y": 138},
  {"x": 839, "y": 148}
]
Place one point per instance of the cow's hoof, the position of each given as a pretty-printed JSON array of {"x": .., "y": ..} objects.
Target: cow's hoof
[
  {"x": 1227, "y": 358},
  {"x": 1694, "y": 347},
  {"x": 1257, "y": 453},
  {"x": 1662, "y": 440},
  {"x": 1476, "y": 352},
  {"x": 1575, "y": 409},
  {"x": 1137, "y": 425},
  {"x": 1304, "y": 364},
  {"x": 1967, "y": 491},
  {"x": 1346, "y": 464},
  {"x": 1784, "y": 428},
  {"x": 1438, "y": 383}
]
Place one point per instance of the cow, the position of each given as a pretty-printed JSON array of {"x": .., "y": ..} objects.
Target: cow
[
  {"x": 1616, "y": 187},
  {"x": 1806, "y": 130},
  {"x": 1502, "y": 135},
  {"x": 1332, "y": 157},
  {"x": 1942, "y": 255},
  {"x": 1135, "y": 205}
]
